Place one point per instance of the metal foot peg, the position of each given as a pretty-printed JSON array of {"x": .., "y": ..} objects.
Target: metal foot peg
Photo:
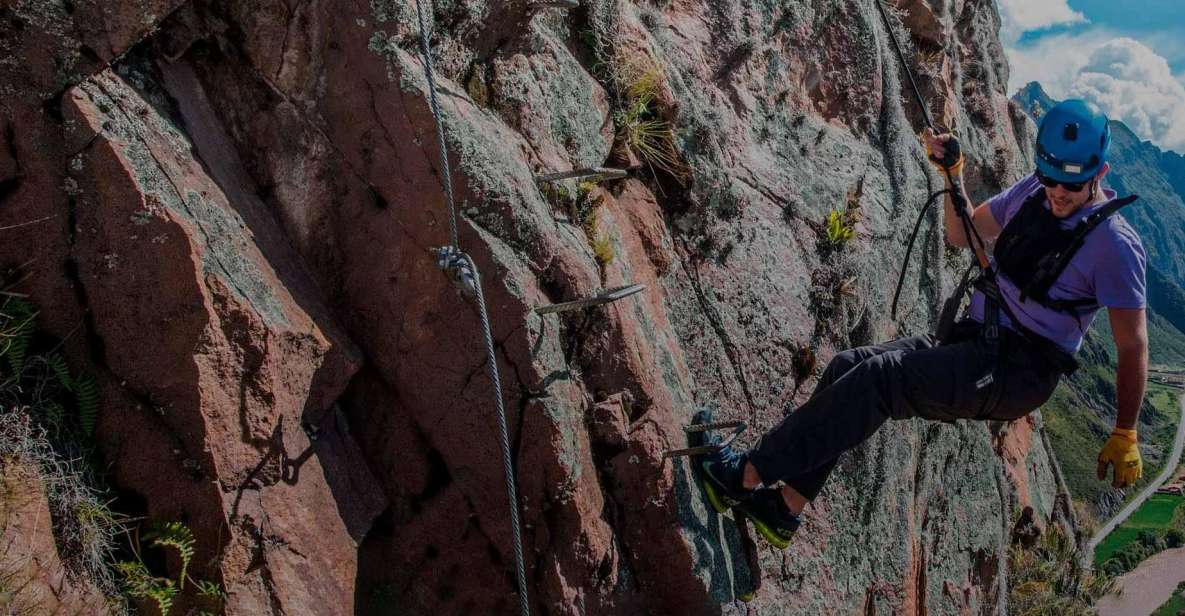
[
  {"x": 593, "y": 174},
  {"x": 554, "y": 4},
  {"x": 604, "y": 297},
  {"x": 737, "y": 427}
]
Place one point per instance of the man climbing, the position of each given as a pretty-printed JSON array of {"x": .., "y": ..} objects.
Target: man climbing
[{"x": 1059, "y": 256}]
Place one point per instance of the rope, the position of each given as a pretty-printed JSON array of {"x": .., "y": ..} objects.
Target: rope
[
  {"x": 908, "y": 73},
  {"x": 909, "y": 250},
  {"x": 462, "y": 269},
  {"x": 504, "y": 434}
]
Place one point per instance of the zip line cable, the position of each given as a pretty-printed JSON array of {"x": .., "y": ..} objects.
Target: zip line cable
[{"x": 462, "y": 269}]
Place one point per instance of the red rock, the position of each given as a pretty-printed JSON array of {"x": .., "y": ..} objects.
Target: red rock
[{"x": 35, "y": 579}]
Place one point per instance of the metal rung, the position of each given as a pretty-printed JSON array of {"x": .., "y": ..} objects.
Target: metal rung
[
  {"x": 555, "y": 4},
  {"x": 720, "y": 425},
  {"x": 604, "y": 297},
  {"x": 737, "y": 428},
  {"x": 600, "y": 173}
]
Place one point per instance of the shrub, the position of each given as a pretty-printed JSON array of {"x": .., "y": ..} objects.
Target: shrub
[
  {"x": 641, "y": 128},
  {"x": 1174, "y": 538},
  {"x": 583, "y": 210},
  {"x": 603, "y": 250},
  {"x": 1048, "y": 578},
  {"x": 37, "y": 394},
  {"x": 839, "y": 228}
]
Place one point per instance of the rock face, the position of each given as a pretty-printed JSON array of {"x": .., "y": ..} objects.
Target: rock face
[
  {"x": 33, "y": 577},
  {"x": 240, "y": 212}
]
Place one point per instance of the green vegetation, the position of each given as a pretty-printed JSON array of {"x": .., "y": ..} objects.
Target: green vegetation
[
  {"x": 1157, "y": 525},
  {"x": 641, "y": 127},
  {"x": 1175, "y": 605},
  {"x": 1048, "y": 579},
  {"x": 48, "y": 416},
  {"x": 603, "y": 250},
  {"x": 840, "y": 228},
  {"x": 583, "y": 209},
  {"x": 140, "y": 583}
]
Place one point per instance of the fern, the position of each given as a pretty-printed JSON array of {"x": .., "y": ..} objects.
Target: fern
[
  {"x": 141, "y": 584},
  {"x": 86, "y": 392},
  {"x": 16, "y": 331},
  {"x": 57, "y": 363},
  {"x": 55, "y": 413},
  {"x": 177, "y": 536},
  {"x": 209, "y": 590}
]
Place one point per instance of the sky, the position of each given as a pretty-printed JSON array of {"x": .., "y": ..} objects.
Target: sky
[{"x": 1128, "y": 56}]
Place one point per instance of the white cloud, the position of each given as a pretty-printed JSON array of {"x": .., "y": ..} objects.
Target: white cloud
[
  {"x": 1134, "y": 84},
  {"x": 1020, "y": 16},
  {"x": 1127, "y": 80},
  {"x": 1054, "y": 60}
]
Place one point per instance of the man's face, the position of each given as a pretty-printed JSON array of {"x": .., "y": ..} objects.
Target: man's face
[{"x": 1063, "y": 202}]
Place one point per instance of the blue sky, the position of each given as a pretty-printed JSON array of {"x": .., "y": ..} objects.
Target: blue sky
[{"x": 1126, "y": 55}]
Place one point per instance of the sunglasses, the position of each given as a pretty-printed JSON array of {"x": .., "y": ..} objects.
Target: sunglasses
[{"x": 1049, "y": 182}]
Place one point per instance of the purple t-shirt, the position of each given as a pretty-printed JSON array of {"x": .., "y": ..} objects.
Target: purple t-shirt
[{"x": 1109, "y": 267}]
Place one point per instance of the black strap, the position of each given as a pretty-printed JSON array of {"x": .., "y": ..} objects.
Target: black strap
[
  {"x": 909, "y": 250},
  {"x": 1047, "y": 277},
  {"x": 1061, "y": 360}
]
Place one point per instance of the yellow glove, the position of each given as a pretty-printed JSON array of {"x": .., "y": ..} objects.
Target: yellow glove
[{"x": 1122, "y": 451}]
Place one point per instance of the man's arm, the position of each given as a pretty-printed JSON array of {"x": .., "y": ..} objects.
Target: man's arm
[
  {"x": 982, "y": 217},
  {"x": 1130, "y": 329},
  {"x": 985, "y": 223}
]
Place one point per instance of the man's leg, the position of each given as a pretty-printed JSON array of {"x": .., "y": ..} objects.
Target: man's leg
[
  {"x": 943, "y": 383},
  {"x": 805, "y": 487}
]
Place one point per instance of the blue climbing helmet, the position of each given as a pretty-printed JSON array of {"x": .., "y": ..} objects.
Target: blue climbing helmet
[{"x": 1073, "y": 141}]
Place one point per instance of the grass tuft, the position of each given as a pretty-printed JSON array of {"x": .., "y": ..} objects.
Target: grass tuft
[
  {"x": 1049, "y": 579},
  {"x": 641, "y": 127}
]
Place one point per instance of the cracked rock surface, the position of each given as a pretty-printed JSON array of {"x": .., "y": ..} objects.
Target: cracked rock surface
[{"x": 242, "y": 198}]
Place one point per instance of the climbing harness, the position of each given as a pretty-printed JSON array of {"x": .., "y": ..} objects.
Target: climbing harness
[
  {"x": 986, "y": 280},
  {"x": 1035, "y": 270},
  {"x": 1033, "y": 249},
  {"x": 604, "y": 297},
  {"x": 463, "y": 271}
]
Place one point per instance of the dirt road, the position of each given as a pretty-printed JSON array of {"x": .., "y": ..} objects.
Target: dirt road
[{"x": 1146, "y": 587}]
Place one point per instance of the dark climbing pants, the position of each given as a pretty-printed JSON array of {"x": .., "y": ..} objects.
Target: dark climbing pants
[{"x": 911, "y": 377}]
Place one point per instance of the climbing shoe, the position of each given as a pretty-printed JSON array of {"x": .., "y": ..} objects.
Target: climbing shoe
[
  {"x": 722, "y": 475},
  {"x": 770, "y": 516}
]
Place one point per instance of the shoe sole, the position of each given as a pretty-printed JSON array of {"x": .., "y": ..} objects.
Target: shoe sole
[
  {"x": 719, "y": 504},
  {"x": 714, "y": 497},
  {"x": 770, "y": 535}
]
